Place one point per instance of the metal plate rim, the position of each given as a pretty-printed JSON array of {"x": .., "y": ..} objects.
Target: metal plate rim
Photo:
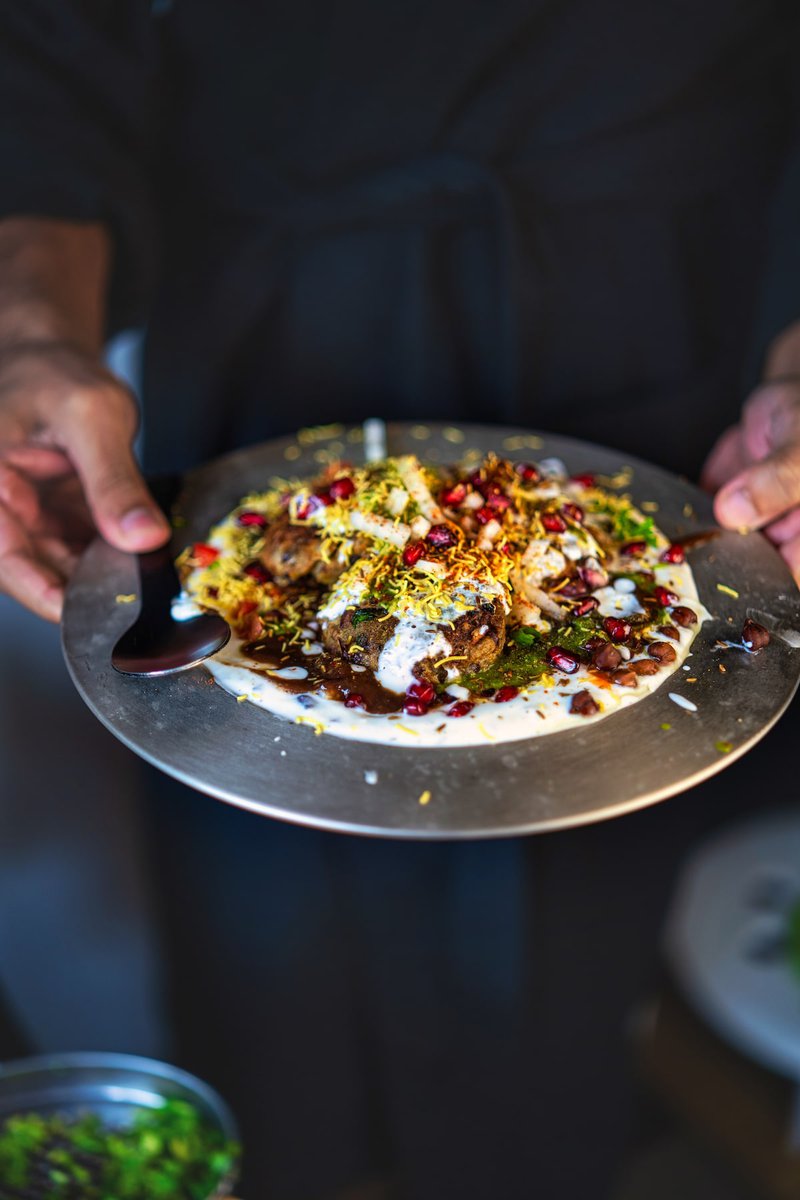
[{"x": 419, "y": 825}]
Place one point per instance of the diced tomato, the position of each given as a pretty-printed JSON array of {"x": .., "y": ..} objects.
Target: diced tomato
[{"x": 204, "y": 554}]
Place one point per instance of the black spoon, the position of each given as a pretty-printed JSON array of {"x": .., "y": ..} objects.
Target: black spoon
[{"x": 159, "y": 643}]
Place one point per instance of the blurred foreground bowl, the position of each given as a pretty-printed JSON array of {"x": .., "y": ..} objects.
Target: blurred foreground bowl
[{"x": 115, "y": 1087}]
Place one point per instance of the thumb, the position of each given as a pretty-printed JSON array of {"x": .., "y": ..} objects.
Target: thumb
[
  {"x": 96, "y": 428},
  {"x": 763, "y": 492},
  {"x": 770, "y": 485}
]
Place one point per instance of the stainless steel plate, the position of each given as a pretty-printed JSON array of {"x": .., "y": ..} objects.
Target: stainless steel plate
[
  {"x": 114, "y": 1086},
  {"x": 193, "y": 730}
]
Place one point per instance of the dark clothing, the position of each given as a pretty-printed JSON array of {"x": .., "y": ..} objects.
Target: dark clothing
[
  {"x": 539, "y": 212},
  {"x": 549, "y": 213}
]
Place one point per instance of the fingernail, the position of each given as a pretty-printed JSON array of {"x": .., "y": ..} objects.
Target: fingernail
[
  {"x": 737, "y": 509},
  {"x": 142, "y": 520},
  {"x": 53, "y": 601}
]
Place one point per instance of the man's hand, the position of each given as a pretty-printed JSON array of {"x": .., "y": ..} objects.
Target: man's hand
[
  {"x": 755, "y": 466},
  {"x": 66, "y": 469}
]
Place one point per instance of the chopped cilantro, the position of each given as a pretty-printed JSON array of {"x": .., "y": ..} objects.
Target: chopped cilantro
[
  {"x": 170, "y": 1152},
  {"x": 525, "y": 637},
  {"x": 628, "y": 528},
  {"x": 626, "y": 525},
  {"x": 367, "y": 614}
]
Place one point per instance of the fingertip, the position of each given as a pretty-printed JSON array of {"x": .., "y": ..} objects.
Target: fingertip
[
  {"x": 51, "y": 603},
  {"x": 734, "y": 508},
  {"x": 140, "y": 529}
]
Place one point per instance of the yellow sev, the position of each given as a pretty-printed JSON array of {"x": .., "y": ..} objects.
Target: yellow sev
[{"x": 378, "y": 576}]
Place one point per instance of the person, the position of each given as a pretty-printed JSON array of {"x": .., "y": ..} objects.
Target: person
[{"x": 544, "y": 214}]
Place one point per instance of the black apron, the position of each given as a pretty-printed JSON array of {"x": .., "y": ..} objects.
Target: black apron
[{"x": 550, "y": 213}]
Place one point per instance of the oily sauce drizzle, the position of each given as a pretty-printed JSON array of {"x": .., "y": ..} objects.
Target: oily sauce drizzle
[{"x": 329, "y": 676}]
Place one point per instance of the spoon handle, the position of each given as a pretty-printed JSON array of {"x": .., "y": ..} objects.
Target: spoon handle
[{"x": 158, "y": 579}]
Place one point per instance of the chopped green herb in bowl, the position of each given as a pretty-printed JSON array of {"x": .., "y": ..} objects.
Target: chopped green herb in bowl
[{"x": 166, "y": 1153}]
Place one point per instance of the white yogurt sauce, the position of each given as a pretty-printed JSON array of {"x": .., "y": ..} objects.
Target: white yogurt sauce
[
  {"x": 614, "y": 603},
  {"x": 538, "y": 710},
  {"x": 412, "y": 640},
  {"x": 348, "y": 592}
]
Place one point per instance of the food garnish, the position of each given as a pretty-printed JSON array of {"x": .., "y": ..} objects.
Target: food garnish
[
  {"x": 400, "y": 588},
  {"x": 169, "y": 1152},
  {"x": 754, "y": 636}
]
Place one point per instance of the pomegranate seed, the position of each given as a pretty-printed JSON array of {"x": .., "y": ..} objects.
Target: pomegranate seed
[
  {"x": 247, "y": 606},
  {"x": 484, "y": 515},
  {"x": 528, "y": 472},
  {"x": 573, "y": 512},
  {"x": 415, "y": 708},
  {"x": 586, "y": 481},
  {"x": 256, "y": 571},
  {"x": 441, "y": 535},
  {"x": 554, "y": 523},
  {"x": 585, "y": 606},
  {"x": 340, "y": 489},
  {"x": 594, "y": 643},
  {"x": 754, "y": 636},
  {"x": 478, "y": 482},
  {"x": 617, "y": 629},
  {"x": 204, "y": 554},
  {"x": 413, "y": 553},
  {"x": 634, "y": 549},
  {"x": 684, "y": 616},
  {"x": 562, "y": 659},
  {"x": 504, "y": 694},
  {"x": 583, "y": 704},
  {"x": 453, "y": 495},
  {"x": 665, "y": 597},
  {"x": 674, "y": 554},
  {"x": 422, "y": 691},
  {"x": 573, "y": 589},
  {"x": 508, "y": 549},
  {"x": 252, "y": 518},
  {"x": 355, "y": 700},
  {"x": 498, "y": 502},
  {"x": 461, "y": 708}
]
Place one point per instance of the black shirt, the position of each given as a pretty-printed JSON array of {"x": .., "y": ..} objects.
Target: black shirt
[
  {"x": 538, "y": 212},
  {"x": 552, "y": 213}
]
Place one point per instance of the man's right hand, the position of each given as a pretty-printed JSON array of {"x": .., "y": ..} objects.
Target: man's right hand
[{"x": 66, "y": 470}]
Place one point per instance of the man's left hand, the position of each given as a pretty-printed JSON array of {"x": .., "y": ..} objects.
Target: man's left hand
[{"x": 755, "y": 466}]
